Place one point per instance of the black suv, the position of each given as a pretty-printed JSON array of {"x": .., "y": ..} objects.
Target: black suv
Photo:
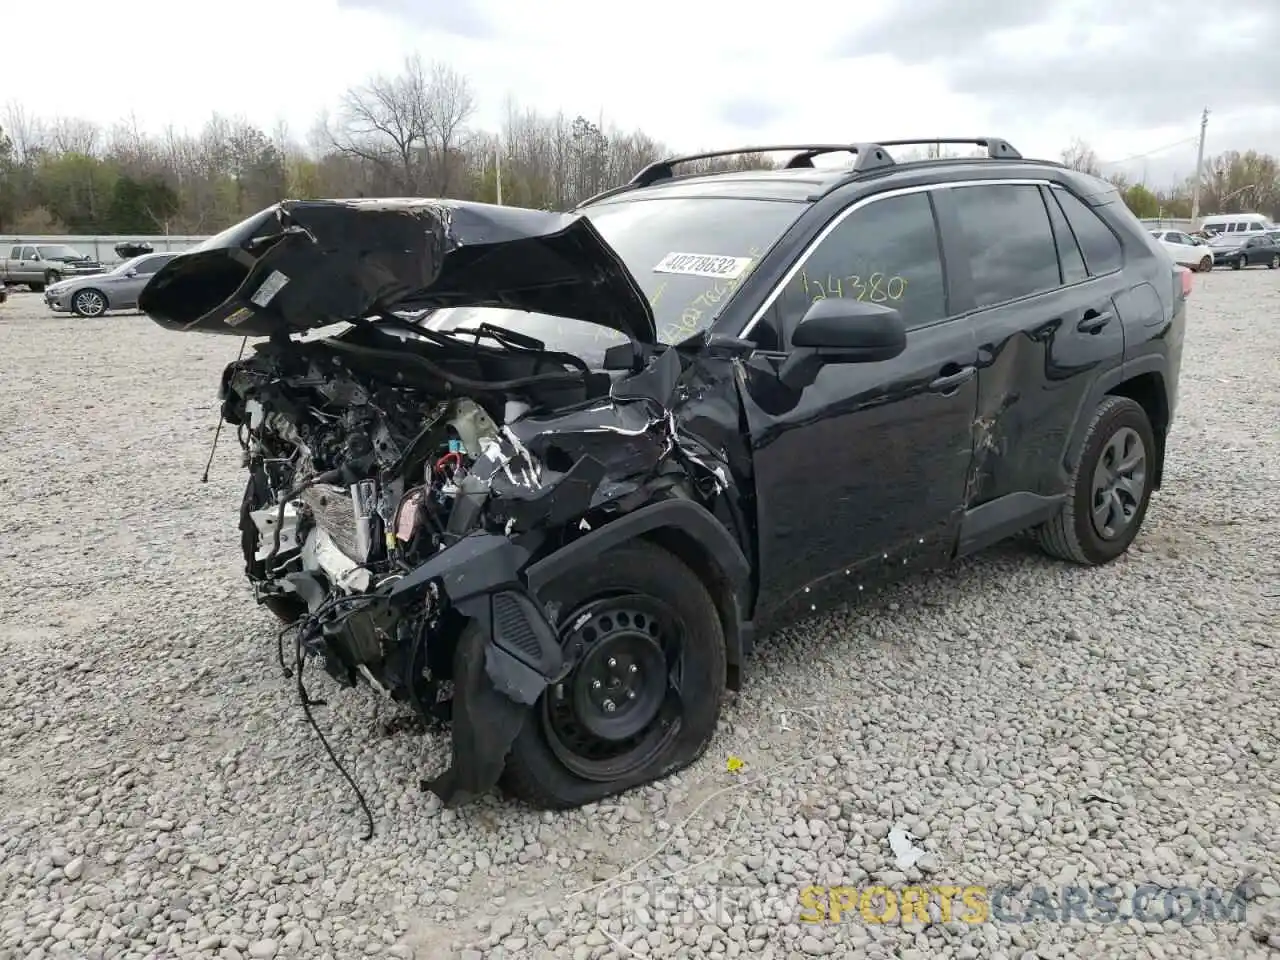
[{"x": 558, "y": 470}]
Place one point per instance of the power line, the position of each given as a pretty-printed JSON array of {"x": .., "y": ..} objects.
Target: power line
[{"x": 1139, "y": 156}]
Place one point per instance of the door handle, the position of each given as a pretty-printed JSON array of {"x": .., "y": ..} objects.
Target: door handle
[
  {"x": 1094, "y": 321},
  {"x": 950, "y": 381}
]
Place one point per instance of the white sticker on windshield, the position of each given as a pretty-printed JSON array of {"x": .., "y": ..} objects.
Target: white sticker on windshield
[
  {"x": 270, "y": 287},
  {"x": 703, "y": 265}
]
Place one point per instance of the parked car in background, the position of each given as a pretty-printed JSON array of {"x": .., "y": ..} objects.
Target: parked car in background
[
  {"x": 1236, "y": 223},
  {"x": 1246, "y": 250},
  {"x": 128, "y": 249},
  {"x": 116, "y": 289},
  {"x": 40, "y": 264},
  {"x": 1187, "y": 250}
]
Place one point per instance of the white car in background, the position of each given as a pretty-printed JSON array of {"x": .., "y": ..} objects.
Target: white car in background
[{"x": 1185, "y": 249}]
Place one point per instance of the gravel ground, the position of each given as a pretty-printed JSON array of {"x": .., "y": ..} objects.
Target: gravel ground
[{"x": 1029, "y": 722}]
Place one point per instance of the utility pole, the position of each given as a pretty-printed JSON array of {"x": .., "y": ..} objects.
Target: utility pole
[
  {"x": 1195, "y": 187},
  {"x": 497, "y": 166}
]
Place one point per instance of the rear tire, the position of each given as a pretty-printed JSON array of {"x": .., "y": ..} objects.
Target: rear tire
[
  {"x": 1206, "y": 264},
  {"x": 648, "y": 635},
  {"x": 1094, "y": 527},
  {"x": 36, "y": 287},
  {"x": 1274, "y": 262}
]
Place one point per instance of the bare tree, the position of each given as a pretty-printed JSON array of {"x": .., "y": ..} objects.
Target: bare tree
[
  {"x": 26, "y": 133},
  {"x": 1080, "y": 156}
]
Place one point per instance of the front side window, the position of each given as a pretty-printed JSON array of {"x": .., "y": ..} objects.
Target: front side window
[
  {"x": 688, "y": 254},
  {"x": 1010, "y": 242},
  {"x": 885, "y": 252},
  {"x": 28, "y": 253}
]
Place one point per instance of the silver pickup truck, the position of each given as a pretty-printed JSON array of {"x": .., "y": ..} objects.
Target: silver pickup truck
[{"x": 40, "y": 264}]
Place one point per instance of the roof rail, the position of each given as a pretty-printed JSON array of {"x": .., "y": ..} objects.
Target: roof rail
[
  {"x": 997, "y": 149},
  {"x": 870, "y": 156}
]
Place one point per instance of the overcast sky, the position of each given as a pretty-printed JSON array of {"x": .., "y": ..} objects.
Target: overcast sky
[{"x": 1128, "y": 76}]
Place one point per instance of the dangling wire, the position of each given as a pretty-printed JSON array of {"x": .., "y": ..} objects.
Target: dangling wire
[{"x": 217, "y": 431}]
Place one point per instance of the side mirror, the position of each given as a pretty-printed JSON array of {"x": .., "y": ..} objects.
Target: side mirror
[
  {"x": 837, "y": 330},
  {"x": 131, "y": 272}
]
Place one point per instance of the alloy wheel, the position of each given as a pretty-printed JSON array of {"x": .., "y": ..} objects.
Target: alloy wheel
[
  {"x": 1119, "y": 480},
  {"x": 90, "y": 303},
  {"x": 620, "y": 704},
  {"x": 1275, "y": 261}
]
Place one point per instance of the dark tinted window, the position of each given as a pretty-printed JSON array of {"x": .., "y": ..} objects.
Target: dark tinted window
[
  {"x": 151, "y": 264},
  {"x": 1011, "y": 248},
  {"x": 1069, "y": 256},
  {"x": 15, "y": 253},
  {"x": 886, "y": 252},
  {"x": 28, "y": 253},
  {"x": 1100, "y": 247}
]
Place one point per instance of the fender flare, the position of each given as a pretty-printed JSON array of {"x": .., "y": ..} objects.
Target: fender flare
[
  {"x": 1106, "y": 382},
  {"x": 676, "y": 514}
]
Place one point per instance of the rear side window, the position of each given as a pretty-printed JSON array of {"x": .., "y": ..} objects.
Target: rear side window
[
  {"x": 1099, "y": 245},
  {"x": 1069, "y": 256},
  {"x": 151, "y": 265},
  {"x": 1011, "y": 248}
]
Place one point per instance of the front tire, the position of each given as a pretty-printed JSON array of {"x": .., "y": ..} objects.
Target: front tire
[
  {"x": 1206, "y": 264},
  {"x": 1110, "y": 488},
  {"x": 89, "y": 303},
  {"x": 643, "y": 698},
  {"x": 1240, "y": 263},
  {"x": 1274, "y": 262}
]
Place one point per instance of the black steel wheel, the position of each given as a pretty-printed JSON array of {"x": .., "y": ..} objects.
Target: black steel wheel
[
  {"x": 642, "y": 696},
  {"x": 1110, "y": 487},
  {"x": 621, "y": 702}
]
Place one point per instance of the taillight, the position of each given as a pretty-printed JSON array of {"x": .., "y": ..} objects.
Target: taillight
[{"x": 1186, "y": 282}]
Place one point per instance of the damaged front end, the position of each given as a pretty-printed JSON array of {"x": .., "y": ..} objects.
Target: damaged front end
[{"x": 409, "y": 488}]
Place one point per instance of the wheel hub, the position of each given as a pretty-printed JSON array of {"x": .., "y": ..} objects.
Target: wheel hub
[
  {"x": 1119, "y": 481},
  {"x": 620, "y": 703},
  {"x": 619, "y": 684}
]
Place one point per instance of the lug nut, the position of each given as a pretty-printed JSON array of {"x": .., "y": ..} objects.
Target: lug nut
[
  {"x": 595, "y": 684},
  {"x": 612, "y": 663},
  {"x": 633, "y": 669},
  {"x": 631, "y": 694},
  {"x": 609, "y": 706}
]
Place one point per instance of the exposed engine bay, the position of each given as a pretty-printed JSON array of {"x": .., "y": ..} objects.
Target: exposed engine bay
[
  {"x": 417, "y": 498},
  {"x": 358, "y": 478}
]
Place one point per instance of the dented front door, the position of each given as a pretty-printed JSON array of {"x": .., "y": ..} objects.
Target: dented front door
[{"x": 863, "y": 473}]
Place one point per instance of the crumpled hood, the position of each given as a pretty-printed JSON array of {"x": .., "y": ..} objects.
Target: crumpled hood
[{"x": 303, "y": 264}]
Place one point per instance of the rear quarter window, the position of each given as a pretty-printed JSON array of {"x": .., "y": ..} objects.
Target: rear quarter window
[{"x": 1098, "y": 244}]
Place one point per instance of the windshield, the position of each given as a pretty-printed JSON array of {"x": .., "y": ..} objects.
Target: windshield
[
  {"x": 59, "y": 252},
  {"x": 688, "y": 254}
]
